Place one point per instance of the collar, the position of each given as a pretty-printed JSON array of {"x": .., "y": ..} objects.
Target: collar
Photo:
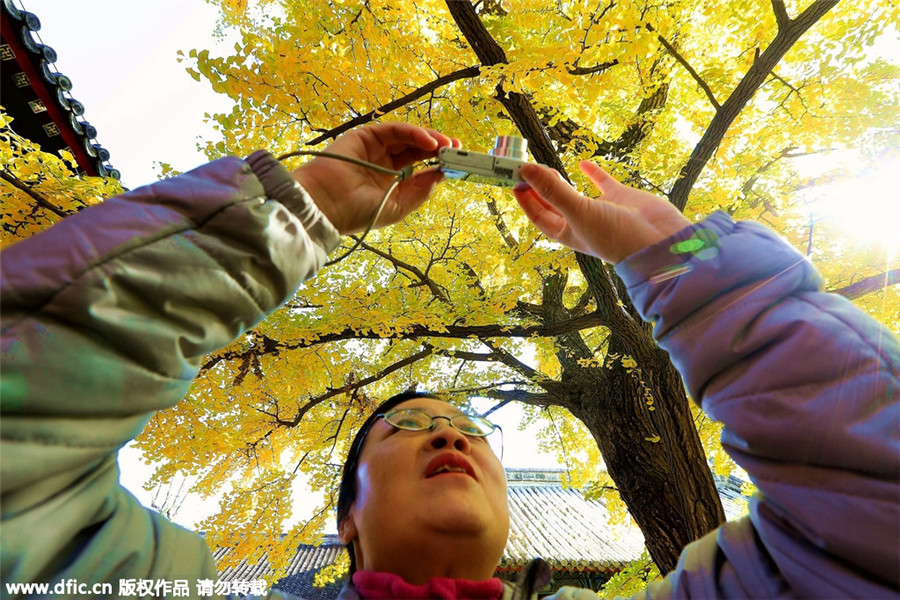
[{"x": 374, "y": 585}]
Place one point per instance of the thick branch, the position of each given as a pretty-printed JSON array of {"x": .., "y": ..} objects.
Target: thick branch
[
  {"x": 684, "y": 63},
  {"x": 39, "y": 200},
  {"x": 511, "y": 361},
  {"x": 469, "y": 356},
  {"x": 355, "y": 385},
  {"x": 781, "y": 15},
  {"x": 589, "y": 320},
  {"x": 517, "y": 105},
  {"x": 788, "y": 34},
  {"x": 426, "y": 89},
  {"x": 869, "y": 285},
  {"x": 524, "y": 116},
  {"x": 611, "y": 305},
  {"x": 583, "y": 301},
  {"x": 507, "y": 396},
  {"x": 496, "y": 355},
  {"x": 476, "y": 390}
]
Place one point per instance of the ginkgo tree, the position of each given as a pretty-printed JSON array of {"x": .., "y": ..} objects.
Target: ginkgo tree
[
  {"x": 709, "y": 104},
  {"x": 38, "y": 189}
]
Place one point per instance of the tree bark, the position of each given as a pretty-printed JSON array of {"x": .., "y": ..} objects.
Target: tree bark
[{"x": 869, "y": 285}]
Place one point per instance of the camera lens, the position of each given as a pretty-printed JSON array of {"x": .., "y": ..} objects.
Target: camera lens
[{"x": 510, "y": 146}]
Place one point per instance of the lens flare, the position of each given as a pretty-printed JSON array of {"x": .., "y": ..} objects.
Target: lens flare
[{"x": 866, "y": 207}]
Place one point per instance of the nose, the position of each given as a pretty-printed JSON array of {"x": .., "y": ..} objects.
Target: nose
[{"x": 445, "y": 436}]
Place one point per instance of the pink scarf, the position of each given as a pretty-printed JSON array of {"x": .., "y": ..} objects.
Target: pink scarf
[{"x": 374, "y": 585}]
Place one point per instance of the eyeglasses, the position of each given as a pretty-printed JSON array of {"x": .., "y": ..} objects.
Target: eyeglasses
[{"x": 412, "y": 419}]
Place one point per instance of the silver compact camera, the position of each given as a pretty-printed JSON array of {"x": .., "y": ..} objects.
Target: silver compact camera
[{"x": 500, "y": 167}]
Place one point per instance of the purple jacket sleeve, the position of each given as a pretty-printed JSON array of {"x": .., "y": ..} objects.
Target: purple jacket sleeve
[{"x": 808, "y": 388}]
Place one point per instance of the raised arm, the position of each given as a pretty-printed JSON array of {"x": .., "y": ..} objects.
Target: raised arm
[
  {"x": 806, "y": 384},
  {"x": 106, "y": 317}
]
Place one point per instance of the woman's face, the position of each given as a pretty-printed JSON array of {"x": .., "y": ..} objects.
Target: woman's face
[{"x": 422, "y": 490}]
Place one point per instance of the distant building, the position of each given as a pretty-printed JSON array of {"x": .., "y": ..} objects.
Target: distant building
[
  {"x": 37, "y": 96},
  {"x": 301, "y": 571},
  {"x": 546, "y": 520}
]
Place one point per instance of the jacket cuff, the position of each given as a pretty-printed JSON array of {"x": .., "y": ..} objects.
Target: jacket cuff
[
  {"x": 280, "y": 186},
  {"x": 672, "y": 257}
]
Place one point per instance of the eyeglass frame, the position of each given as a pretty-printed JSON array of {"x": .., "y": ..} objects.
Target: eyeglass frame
[{"x": 384, "y": 416}]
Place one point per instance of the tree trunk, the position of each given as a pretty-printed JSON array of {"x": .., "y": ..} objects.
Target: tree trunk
[
  {"x": 654, "y": 456},
  {"x": 667, "y": 485}
]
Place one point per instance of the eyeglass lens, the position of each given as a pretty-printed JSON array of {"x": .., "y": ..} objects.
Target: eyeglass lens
[{"x": 417, "y": 420}]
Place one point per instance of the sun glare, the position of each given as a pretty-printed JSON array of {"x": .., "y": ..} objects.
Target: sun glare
[{"x": 866, "y": 207}]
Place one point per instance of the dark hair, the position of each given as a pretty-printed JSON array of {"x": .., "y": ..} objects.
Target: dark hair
[{"x": 347, "y": 490}]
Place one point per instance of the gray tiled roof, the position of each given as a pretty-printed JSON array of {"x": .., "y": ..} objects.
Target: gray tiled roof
[
  {"x": 566, "y": 530},
  {"x": 300, "y": 572},
  {"x": 559, "y": 525}
]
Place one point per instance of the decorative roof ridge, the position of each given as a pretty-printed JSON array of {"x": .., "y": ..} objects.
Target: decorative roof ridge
[
  {"x": 54, "y": 88},
  {"x": 534, "y": 476},
  {"x": 535, "y": 470}
]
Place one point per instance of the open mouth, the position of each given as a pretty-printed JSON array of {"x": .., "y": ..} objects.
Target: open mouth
[
  {"x": 446, "y": 469},
  {"x": 449, "y": 463}
]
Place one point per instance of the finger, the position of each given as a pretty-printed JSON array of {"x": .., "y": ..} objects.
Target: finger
[
  {"x": 415, "y": 190},
  {"x": 542, "y": 204},
  {"x": 552, "y": 188},
  {"x": 544, "y": 216},
  {"x": 419, "y": 146},
  {"x": 442, "y": 140},
  {"x": 426, "y": 179},
  {"x": 396, "y": 137},
  {"x": 603, "y": 180},
  {"x": 410, "y": 156}
]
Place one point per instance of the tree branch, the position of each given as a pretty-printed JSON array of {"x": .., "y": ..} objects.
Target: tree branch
[
  {"x": 582, "y": 303},
  {"x": 39, "y": 200},
  {"x": 591, "y": 70},
  {"x": 436, "y": 291},
  {"x": 593, "y": 319},
  {"x": 529, "y": 124},
  {"x": 748, "y": 185},
  {"x": 496, "y": 355},
  {"x": 788, "y": 34},
  {"x": 355, "y": 385},
  {"x": 517, "y": 105},
  {"x": 869, "y": 285},
  {"x": 611, "y": 305},
  {"x": 481, "y": 388},
  {"x": 781, "y": 15},
  {"x": 426, "y": 89},
  {"x": 684, "y": 63},
  {"x": 495, "y": 408},
  {"x": 507, "y": 396},
  {"x": 511, "y": 361}
]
